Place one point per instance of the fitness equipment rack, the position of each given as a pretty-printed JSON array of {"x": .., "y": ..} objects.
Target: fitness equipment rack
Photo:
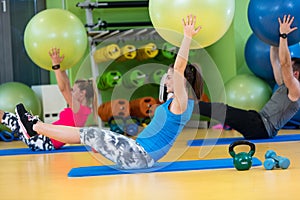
[
  {"x": 98, "y": 31},
  {"x": 116, "y": 4},
  {"x": 102, "y": 33},
  {"x": 103, "y": 25}
]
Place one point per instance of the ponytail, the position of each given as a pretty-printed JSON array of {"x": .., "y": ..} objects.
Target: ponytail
[
  {"x": 192, "y": 74},
  {"x": 194, "y": 78},
  {"x": 89, "y": 86}
]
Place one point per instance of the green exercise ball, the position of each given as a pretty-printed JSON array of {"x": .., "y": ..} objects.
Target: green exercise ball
[
  {"x": 13, "y": 93},
  {"x": 247, "y": 92},
  {"x": 4, "y": 128},
  {"x": 55, "y": 28},
  {"x": 215, "y": 17}
]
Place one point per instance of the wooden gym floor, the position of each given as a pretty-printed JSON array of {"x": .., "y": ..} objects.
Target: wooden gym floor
[{"x": 44, "y": 176}]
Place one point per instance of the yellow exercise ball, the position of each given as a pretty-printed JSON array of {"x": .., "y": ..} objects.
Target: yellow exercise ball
[
  {"x": 214, "y": 16},
  {"x": 55, "y": 28}
]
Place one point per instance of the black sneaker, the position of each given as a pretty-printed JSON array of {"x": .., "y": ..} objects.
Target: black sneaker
[{"x": 26, "y": 121}]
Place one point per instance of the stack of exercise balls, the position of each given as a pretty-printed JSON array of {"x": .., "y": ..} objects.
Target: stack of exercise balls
[
  {"x": 263, "y": 20},
  {"x": 257, "y": 55},
  {"x": 55, "y": 28}
]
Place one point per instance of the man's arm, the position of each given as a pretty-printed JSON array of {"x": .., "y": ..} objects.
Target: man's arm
[
  {"x": 289, "y": 79},
  {"x": 274, "y": 57}
]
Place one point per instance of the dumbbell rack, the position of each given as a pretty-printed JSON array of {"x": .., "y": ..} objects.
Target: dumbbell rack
[
  {"x": 98, "y": 32},
  {"x": 102, "y": 33}
]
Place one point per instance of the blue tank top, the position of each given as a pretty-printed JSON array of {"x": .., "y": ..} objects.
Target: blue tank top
[
  {"x": 278, "y": 111},
  {"x": 162, "y": 131}
]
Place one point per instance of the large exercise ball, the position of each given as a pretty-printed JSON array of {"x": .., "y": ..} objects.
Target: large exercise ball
[
  {"x": 257, "y": 56},
  {"x": 214, "y": 16},
  {"x": 263, "y": 19},
  {"x": 55, "y": 28},
  {"x": 295, "y": 50},
  {"x": 13, "y": 93},
  {"x": 247, "y": 91}
]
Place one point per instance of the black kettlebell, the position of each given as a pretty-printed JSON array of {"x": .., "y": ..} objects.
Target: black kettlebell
[{"x": 242, "y": 160}]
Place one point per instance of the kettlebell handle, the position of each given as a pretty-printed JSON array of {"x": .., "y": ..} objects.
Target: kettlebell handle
[{"x": 241, "y": 142}]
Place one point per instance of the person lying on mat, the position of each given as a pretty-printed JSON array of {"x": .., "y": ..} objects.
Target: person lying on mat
[
  {"x": 80, "y": 100},
  {"x": 283, "y": 104},
  {"x": 157, "y": 138}
]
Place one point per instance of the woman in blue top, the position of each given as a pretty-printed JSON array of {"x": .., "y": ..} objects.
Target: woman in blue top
[{"x": 183, "y": 80}]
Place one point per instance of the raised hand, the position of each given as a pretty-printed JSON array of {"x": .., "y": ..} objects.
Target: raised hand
[
  {"x": 189, "y": 26},
  {"x": 285, "y": 24},
  {"x": 54, "y": 53}
]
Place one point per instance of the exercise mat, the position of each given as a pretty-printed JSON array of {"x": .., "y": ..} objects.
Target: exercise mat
[
  {"x": 117, "y": 107},
  {"x": 128, "y": 52},
  {"x": 141, "y": 107},
  {"x": 147, "y": 51},
  {"x": 225, "y": 141},
  {"x": 176, "y": 166},
  {"x": 27, "y": 151},
  {"x": 134, "y": 78},
  {"x": 109, "y": 79},
  {"x": 156, "y": 76},
  {"x": 107, "y": 53},
  {"x": 167, "y": 51}
]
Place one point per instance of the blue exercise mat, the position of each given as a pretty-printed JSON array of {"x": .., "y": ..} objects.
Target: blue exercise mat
[
  {"x": 223, "y": 141},
  {"x": 26, "y": 151},
  {"x": 158, "y": 167}
]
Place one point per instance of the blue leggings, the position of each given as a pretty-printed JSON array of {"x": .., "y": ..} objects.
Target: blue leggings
[{"x": 125, "y": 152}]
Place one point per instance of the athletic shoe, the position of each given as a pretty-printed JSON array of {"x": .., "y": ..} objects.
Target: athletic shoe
[{"x": 26, "y": 121}]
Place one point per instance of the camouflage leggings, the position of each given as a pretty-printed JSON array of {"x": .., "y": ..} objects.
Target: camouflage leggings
[
  {"x": 125, "y": 152},
  {"x": 35, "y": 143}
]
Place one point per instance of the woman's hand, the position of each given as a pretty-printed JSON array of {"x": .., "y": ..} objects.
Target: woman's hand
[
  {"x": 54, "y": 53},
  {"x": 189, "y": 26}
]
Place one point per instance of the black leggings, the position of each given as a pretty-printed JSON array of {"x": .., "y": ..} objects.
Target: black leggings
[{"x": 248, "y": 123}]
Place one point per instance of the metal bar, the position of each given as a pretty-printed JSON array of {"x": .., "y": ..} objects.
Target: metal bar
[
  {"x": 109, "y": 35},
  {"x": 126, "y": 24},
  {"x": 126, "y": 33},
  {"x": 116, "y": 4},
  {"x": 101, "y": 35}
]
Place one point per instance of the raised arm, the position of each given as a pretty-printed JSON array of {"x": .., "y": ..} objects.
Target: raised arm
[
  {"x": 180, "y": 92},
  {"x": 274, "y": 57},
  {"x": 62, "y": 78},
  {"x": 289, "y": 79}
]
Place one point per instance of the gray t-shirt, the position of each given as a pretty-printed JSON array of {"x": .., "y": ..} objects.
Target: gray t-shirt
[{"x": 278, "y": 110}]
